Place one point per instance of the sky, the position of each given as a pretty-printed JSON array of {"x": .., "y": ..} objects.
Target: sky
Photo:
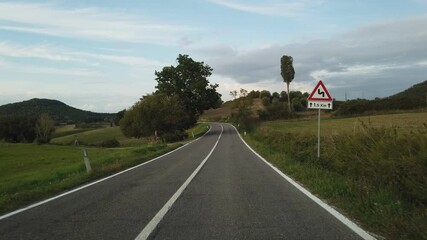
[{"x": 101, "y": 55}]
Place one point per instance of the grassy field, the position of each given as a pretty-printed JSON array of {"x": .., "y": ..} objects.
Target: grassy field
[
  {"x": 30, "y": 172},
  {"x": 374, "y": 169},
  {"x": 97, "y": 136},
  {"x": 406, "y": 122}
]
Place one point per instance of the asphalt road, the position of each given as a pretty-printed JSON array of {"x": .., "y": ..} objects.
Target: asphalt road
[{"x": 235, "y": 195}]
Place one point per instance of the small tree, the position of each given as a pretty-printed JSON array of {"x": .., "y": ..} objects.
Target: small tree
[
  {"x": 155, "y": 114},
  {"x": 288, "y": 73},
  {"x": 44, "y": 128},
  {"x": 233, "y": 94}
]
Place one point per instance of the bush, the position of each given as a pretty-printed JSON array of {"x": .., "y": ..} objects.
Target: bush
[
  {"x": 275, "y": 111},
  {"x": 174, "y": 136},
  {"x": 111, "y": 143}
]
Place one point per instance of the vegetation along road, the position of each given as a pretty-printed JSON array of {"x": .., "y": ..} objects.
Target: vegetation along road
[{"x": 212, "y": 188}]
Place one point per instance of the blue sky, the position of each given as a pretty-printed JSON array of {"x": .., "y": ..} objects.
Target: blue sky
[{"x": 101, "y": 55}]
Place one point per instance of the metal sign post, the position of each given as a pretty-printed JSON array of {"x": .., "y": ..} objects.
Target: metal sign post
[{"x": 319, "y": 99}]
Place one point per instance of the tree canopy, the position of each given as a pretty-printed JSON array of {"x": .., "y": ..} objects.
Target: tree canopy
[
  {"x": 288, "y": 73},
  {"x": 189, "y": 81},
  {"x": 154, "y": 114},
  {"x": 183, "y": 93}
]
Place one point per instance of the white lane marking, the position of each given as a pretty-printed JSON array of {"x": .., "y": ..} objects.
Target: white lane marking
[
  {"x": 93, "y": 183},
  {"x": 145, "y": 233},
  {"x": 350, "y": 224}
]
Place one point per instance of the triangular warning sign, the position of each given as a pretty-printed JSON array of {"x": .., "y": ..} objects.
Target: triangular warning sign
[{"x": 320, "y": 93}]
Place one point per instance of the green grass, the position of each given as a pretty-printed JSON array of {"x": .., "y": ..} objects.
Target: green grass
[
  {"x": 97, "y": 136},
  {"x": 30, "y": 172},
  {"x": 198, "y": 130},
  {"x": 376, "y": 173}
]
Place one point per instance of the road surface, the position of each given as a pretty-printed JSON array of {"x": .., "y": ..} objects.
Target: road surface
[{"x": 231, "y": 194}]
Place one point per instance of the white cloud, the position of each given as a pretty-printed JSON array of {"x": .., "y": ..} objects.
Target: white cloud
[
  {"x": 43, "y": 51},
  {"x": 53, "y": 53},
  {"x": 390, "y": 53},
  {"x": 88, "y": 23},
  {"x": 60, "y": 72},
  {"x": 272, "y": 8}
]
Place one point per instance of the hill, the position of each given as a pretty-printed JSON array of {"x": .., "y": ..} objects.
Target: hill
[
  {"x": 414, "y": 97},
  {"x": 224, "y": 112},
  {"x": 418, "y": 92},
  {"x": 59, "y": 111}
]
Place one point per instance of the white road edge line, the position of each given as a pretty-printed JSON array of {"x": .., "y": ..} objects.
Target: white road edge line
[
  {"x": 350, "y": 224},
  {"x": 149, "y": 228},
  {"x": 93, "y": 183}
]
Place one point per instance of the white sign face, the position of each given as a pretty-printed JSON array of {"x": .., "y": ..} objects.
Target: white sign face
[{"x": 319, "y": 104}]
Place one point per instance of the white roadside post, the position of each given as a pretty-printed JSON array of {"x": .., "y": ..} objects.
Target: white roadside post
[
  {"x": 86, "y": 160},
  {"x": 319, "y": 99}
]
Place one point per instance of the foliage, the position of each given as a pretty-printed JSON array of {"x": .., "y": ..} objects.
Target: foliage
[
  {"x": 155, "y": 114},
  {"x": 57, "y": 110},
  {"x": 188, "y": 81},
  {"x": 275, "y": 111},
  {"x": 288, "y": 73},
  {"x": 44, "y": 129},
  {"x": 242, "y": 114},
  {"x": 376, "y": 174},
  {"x": 110, "y": 143},
  {"x": 15, "y": 129},
  {"x": 119, "y": 117}
]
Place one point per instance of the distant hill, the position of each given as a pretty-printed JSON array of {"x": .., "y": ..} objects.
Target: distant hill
[
  {"x": 414, "y": 97},
  {"x": 418, "y": 92},
  {"x": 59, "y": 111}
]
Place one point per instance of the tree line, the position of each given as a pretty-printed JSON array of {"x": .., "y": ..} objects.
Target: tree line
[{"x": 26, "y": 129}]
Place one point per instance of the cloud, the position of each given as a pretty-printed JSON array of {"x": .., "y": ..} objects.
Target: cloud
[
  {"x": 87, "y": 23},
  {"x": 53, "y": 53},
  {"x": 390, "y": 53},
  {"x": 271, "y": 8},
  {"x": 43, "y": 51}
]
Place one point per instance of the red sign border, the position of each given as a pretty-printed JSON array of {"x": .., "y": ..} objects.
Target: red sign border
[{"x": 320, "y": 83}]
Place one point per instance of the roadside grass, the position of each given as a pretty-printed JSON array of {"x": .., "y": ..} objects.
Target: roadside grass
[
  {"x": 30, "y": 172},
  {"x": 198, "y": 130},
  {"x": 375, "y": 172}
]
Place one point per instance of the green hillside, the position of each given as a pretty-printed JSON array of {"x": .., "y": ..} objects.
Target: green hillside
[
  {"x": 59, "y": 111},
  {"x": 418, "y": 92}
]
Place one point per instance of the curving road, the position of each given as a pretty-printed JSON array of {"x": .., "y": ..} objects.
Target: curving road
[{"x": 212, "y": 188}]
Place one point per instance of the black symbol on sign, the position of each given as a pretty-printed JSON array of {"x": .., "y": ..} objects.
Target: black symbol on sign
[{"x": 320, "y": 93}]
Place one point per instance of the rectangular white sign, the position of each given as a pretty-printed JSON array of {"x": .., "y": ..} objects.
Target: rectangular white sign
[{"x": 319, "y": 104}]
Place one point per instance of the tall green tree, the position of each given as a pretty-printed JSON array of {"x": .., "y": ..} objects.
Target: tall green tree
[
  {"x": 189, "y": 82},
  {"x": 288, "y": 73}
]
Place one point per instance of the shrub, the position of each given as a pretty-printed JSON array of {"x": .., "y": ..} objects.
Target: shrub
[
  {"x": 174, "y": 136},
  {"x": 110, "y": 143}
]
